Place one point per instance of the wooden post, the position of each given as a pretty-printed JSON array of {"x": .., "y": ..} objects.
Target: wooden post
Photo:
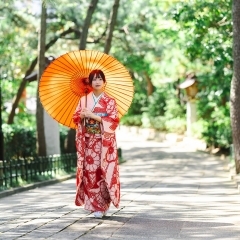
[
  {"x": 23, "y": 169},
  {"x": 1, "y": 173}
]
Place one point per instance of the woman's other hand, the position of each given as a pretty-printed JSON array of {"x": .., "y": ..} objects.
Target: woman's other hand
[{"x": 87, "y": 113}]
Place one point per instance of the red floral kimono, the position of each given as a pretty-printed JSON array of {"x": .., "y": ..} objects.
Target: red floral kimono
[{"x": 97, "y": 160}]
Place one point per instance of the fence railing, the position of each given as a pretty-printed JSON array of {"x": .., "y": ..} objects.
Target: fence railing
[
  {"x": 19, "y": 172},
  {"x": 16, "y": 172}
]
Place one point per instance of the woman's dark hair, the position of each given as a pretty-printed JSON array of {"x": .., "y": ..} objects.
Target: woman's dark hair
[{"x": 99, "y": 73}]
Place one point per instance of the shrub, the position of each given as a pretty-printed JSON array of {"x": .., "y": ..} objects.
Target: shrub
[
  {"x": 157, "y": 103},
  {"x": 19, "y": 141},
  {"x": 218, "y": 133},
  {"x": 158, "y": 123},
  {"x": 134, "y": 120},
  {"x": 173, "y": 109},
  {"x": 176, "y": 125}
]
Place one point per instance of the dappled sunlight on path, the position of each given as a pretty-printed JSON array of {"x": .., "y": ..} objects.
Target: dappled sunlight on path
[{"x": 168, "y": 191}]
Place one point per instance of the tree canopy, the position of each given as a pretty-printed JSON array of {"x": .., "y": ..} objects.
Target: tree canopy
[{"x": 160, "y": 42}]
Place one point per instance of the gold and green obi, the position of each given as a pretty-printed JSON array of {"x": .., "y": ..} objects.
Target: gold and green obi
[{"x": 92, "y": 126}]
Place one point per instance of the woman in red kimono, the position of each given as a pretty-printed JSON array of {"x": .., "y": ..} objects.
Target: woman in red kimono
[{"x": 97, "y": 160}]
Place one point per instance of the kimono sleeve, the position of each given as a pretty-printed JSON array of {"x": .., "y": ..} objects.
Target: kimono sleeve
[
  {"x": 111, "y": 121},
  {"x": 76, "y": 116}
]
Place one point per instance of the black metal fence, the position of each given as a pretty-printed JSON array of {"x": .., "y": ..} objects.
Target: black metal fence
[{"x": 16, "y": 172}]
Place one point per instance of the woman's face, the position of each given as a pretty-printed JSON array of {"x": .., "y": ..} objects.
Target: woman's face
[{"x": 97, "y": 82}]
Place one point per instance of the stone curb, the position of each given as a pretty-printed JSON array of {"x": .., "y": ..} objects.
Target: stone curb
[{"x": 35, "y": 185}]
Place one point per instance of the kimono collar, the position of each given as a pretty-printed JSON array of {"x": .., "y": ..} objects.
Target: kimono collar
[{"x": 96, "y": 99}]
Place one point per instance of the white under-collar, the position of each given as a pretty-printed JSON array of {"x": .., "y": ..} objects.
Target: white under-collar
[{"x": 95, "y": 99}]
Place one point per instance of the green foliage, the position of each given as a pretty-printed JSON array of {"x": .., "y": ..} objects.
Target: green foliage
[
  {"x": 158, "y": 123},
  {"x": 176, "y": 125},
  {"x": 159, "y": 40},
  {"x": 164, "y": 113},
  {"x": 173, "y": 119},
  {"x": 132, "y": 120},
  {"x": 173, "y": 108},
  {"x": 208, "y": 42},
  {"x": 217, "y": 131},
  {"x": 157, "y": 103},
  {"x": 19, "y": 141},
  {"x": 139, "y": 102}
]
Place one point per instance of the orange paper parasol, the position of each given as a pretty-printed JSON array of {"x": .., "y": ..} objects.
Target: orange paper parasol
[{"x": 64, "y": 82}]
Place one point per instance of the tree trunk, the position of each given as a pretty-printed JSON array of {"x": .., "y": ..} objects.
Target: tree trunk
[
  {"x": 69, "y": 143},
  {"x": 235, "y": 84},
  {"x": 86, "y": 25},
  {"x": 41, "y": 143},
  {"x": 111, "y": 26},
  {"x": 149, "y": 85}
]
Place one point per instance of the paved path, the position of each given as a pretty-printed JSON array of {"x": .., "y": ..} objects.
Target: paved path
[{"x": 168, "y": 192}]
